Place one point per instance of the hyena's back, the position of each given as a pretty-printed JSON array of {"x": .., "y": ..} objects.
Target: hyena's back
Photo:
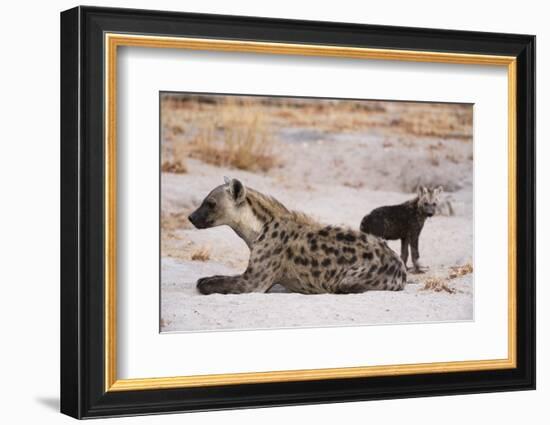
[{"x": 389, "y": 222}]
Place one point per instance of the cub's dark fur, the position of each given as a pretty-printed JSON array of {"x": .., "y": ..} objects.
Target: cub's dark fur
[{"x": 404, "y": 221}]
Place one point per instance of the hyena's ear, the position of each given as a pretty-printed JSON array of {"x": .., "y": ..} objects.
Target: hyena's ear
[
  {"x": 437, "y": 190},
  {"x": 237, "y": 190},
  {"x": 421, "y": 190},
  {"x": 226, "y": 180}
]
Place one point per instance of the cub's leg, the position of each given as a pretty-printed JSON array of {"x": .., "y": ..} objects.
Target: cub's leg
[
  {"x": 405, "y": 250},
  {"x": 418, "y": 268}
]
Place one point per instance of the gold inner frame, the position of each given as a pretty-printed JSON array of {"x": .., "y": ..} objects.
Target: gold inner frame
[{"x": 113, "y": 41}]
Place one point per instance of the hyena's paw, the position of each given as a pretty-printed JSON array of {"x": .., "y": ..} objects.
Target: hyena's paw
[
  {"x": 217, "y": 285},
  {"x": 417, "y": 270},
  {"x": 207, "y": 285}
]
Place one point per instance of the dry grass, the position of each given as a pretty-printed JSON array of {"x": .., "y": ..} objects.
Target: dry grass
[
  {"x": 175, "y": 166},
  {"x": 458, "y": 271},
  {"x": 201, "y": 254},
  {"x": 437, "y": 284},
  {"x": 234, "y": 134},
  {"x": 330, "y": 116},
  {"x": 242, "y": 131},
  {"x": 443, "y": 120},
  {"x": 174, "y": 221},
  {"x": 246, "y": 145}
]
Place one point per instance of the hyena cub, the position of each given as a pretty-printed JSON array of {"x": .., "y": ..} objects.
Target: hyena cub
[
  {"x": 291, "y": 249},
  {"x": 404, "y": 221}
]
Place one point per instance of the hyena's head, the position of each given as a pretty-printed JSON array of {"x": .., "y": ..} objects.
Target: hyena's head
[
  {"x": 226, "y": 204},
  {"x": 428, "y": 199}
]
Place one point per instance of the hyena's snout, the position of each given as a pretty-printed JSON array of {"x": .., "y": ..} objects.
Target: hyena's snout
[
  {"x": 430, "y": 210},
  {"x": 199, "y": 219}
]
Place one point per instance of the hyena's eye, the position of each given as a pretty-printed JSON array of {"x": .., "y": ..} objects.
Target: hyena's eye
[{"x": 211, "y": 204}]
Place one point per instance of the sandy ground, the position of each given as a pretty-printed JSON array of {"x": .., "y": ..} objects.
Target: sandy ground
[{"x": 336, "y": 186}]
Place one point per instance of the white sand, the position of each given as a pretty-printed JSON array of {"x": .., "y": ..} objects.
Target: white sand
[{"x": 334, "y": 189}]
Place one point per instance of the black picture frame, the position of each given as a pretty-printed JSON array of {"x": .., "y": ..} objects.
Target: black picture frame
[{"x": 83, "y": 392}]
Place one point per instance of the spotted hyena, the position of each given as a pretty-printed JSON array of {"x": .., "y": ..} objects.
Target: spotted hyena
[
  {"x": 291, "y": 249},
  {"x": 404, "y": 221}
]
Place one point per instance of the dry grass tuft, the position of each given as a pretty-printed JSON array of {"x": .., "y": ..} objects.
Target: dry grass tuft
[
  {"x": 458, "y": 271},
  {"x": 177, "y": 166},
  {"x": 201, "y": 254},
  {"x": 240, "y": 138},
  {"x": 441, "y": 121},
  {"x": 174, "y": 161},
  {"x": 174, "y": 221},
  {"x": 437, "y": 284}
]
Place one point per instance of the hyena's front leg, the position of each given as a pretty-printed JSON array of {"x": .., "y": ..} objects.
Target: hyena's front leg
[
  {"x": 254, "y": 279},
  {"x": 228, "y": 285}
]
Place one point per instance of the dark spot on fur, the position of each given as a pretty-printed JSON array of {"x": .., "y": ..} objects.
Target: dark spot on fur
[
  {"x": 278, "y": 251},
  {"x": 276, "y": 225},
  {"x": 368, "y": 255},
  {"x": 316, "y": 273},
  {"x": 283, "y": 234},
  {"x": 262, "y": 237},
  {"x": 314, "y": 262},
  {"x": 341, "y": 260},
  {"x": 289, "y": 253},
  {"x": 323, "y": 232},
  {"x": 350, "y": 237},
  {"x": 274, "y": 234},
  {"x": 353, "y": 259},
  {"x": 390, "y": 270},
  {"x": 326, "y": 262}
]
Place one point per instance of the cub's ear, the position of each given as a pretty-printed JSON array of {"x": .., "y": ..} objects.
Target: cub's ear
[
  {"x": 438, "y": 190},
  {"x": 421, "y": 190},
  {"x": 237, "y": 190},
  {"x": 226, "y": 180}
]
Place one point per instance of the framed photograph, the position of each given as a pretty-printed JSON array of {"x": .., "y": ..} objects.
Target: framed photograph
[{"x": 261, "y": 212}]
